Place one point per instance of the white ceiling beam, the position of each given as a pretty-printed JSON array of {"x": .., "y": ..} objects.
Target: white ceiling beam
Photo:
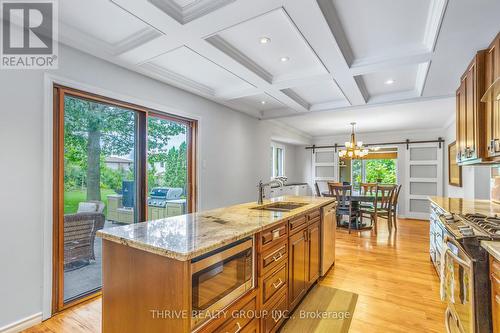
[
  {"x": 366, "y": 66},
  {"x": 278, "y": 115},
  {"x": 309, "y": 18}
]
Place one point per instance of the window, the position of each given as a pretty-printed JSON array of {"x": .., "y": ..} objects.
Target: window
[
  {"x": 379, "y": 167},
  {"x": 278, "y": 161}
]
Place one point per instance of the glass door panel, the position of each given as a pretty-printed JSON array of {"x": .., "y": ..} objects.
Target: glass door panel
[
  {"x": 99, "y": 186},
  {"x": 167, "y": 170}
]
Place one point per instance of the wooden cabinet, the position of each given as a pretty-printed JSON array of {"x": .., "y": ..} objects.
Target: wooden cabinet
[
  {"x": 314, "y": 252},
  {"x": 492, "y": 108},
  {"x": 495, "y": 293},
  {"x": 298, "y": 266},
  {"x": 304, "y": 258},
  {"x": 470, "y": 113}
]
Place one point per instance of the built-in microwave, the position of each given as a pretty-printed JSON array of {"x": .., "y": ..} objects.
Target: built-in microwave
[{"x": 220, "y": 277}]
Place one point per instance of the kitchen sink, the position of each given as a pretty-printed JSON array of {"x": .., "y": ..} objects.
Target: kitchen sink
[{"x": 281, "y": 206}]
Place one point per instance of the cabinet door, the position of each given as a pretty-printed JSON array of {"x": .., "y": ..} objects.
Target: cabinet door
[
  {"x": 471, "y": 112},
  {"x": 313, "y": 241},
  {"x": 297, "y": 267},
  {"x": 461, "y": 121}
]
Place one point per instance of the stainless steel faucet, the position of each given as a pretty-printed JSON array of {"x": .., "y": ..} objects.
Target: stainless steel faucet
[{"x": 280, "y": 181}]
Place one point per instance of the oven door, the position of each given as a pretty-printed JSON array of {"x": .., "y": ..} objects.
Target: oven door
[
  {"x": 221, "y": 277},
  {"x": 459, "y": 288}
]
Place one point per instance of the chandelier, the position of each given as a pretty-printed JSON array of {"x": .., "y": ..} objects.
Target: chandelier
[{"x": 353, "y": 149}]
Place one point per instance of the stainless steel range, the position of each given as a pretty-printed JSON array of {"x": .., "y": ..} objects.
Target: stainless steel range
[{"x": 465, "y": 268}]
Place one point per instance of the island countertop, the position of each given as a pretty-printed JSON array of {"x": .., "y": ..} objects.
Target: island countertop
[
  {"x": 187, "y": 236},
  {"x": 464, "y": 206}
]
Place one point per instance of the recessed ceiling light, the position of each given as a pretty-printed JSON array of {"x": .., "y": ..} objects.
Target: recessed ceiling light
[
  {"x": 262, "y": 102},
  {"x": 389, "y": 82},
  {"x": 265, "y": 40},
  {"x": 284, "y": 59}
]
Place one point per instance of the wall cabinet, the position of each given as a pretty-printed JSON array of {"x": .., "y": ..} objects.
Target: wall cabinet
[
  {"x": 492, "y": 107},
  {"x": 470, "y": 113}
]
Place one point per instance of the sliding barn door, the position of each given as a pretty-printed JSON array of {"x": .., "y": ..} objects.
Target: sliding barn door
[
  {"x": 325, "y": 166},
  {"x": 424, "y": 178}
]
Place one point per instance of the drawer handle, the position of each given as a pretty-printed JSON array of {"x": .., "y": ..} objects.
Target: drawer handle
[
  {"x": 277, "y": 256},
  {"x": 238, "y": 327},
  {"x": 278, "y": 283}
]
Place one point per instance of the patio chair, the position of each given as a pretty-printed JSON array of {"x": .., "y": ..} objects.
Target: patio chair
[{"x": 80, "y": 231}]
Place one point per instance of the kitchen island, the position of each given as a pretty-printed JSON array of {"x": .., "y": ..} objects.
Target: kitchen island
[{"x": 193, "y": 272}]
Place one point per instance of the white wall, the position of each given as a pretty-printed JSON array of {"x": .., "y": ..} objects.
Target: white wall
[
  {"x": 234, "y": 155},
  {"x": 475, "y": 179}
]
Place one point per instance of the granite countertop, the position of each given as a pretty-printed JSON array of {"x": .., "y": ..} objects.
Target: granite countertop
[
  {"x": 492, "y": 247},
  {"x": 187, "y": 236},
  {"x": 289, "y": 184},
  {"x": 464, "y": 206}
]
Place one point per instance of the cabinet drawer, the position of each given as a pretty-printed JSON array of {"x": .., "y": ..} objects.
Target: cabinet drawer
[
  {"x": 238, "y": 322},
  {"x": 272, "y": 236},
  {"x": 273, "y": 257},
  {"x": 313, "y": 215},
  {"x": 252, "y": 327},
  {"x": 276, "y": 314},
  {"x": 297, "y": 223},
  {"x": 275, "y": 282}
]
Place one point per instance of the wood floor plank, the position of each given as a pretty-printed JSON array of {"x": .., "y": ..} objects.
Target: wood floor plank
[{"x": 397, "y": 286}]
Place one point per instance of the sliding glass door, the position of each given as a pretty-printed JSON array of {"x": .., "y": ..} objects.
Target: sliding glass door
[
  {"x": 115, "y": 164},
  {"x": 99, "y": 185}
]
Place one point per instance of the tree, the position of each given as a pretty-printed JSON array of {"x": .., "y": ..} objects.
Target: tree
[
  {"x": 383, "y": 171},
  {"x": 95, "y": 130}
]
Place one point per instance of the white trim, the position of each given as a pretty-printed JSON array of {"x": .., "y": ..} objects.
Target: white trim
[
  {"x": 47, "y": 225},
  {"x": 22, "y": 324}
]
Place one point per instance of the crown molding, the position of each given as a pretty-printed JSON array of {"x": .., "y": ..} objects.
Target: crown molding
[
  {"x": 190, "y": 12},
  {"x": 177, "y": 79}
]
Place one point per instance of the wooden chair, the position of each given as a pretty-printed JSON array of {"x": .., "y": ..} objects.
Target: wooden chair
[
  {"x": 394, "y": 206},
  {"x": 381, "y": 206},
  {"x": 368, "y": 188},
  {"x": 344, "y": 205},
  {"x": 331, "y": 185}
]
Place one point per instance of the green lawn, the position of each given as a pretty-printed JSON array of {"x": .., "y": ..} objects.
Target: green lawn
[{"x": 73, "y": 197}]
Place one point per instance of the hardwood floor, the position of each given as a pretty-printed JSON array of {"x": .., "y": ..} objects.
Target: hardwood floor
[{"x": 396, "y": 282}]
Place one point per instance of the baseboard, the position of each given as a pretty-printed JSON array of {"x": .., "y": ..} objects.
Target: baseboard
[{"x": 22, "y": 324}]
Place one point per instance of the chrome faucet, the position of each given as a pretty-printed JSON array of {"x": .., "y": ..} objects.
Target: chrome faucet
[{"x": 280, "y": 181}]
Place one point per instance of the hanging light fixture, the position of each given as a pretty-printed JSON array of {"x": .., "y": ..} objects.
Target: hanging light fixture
[{"x": 353, "y": 149}]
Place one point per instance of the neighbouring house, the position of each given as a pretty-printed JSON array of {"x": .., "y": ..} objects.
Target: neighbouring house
[{"x": 118, "y": 163}]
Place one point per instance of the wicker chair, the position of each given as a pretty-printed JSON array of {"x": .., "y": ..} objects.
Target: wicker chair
[{"x": 79, "y": 234}]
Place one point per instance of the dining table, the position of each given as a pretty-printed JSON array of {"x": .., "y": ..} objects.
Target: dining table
[{"x": 356, "y": 198}]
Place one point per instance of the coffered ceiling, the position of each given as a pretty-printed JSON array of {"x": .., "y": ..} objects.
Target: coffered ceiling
[{"x": 282, "y": 58}]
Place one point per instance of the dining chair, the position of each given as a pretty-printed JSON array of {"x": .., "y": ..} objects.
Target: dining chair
[
  {"x": 331, "y": 185},
  {"x": 344, "y": 205},
  {"x": 316, "y": 187},
  {"x": 394, "y": 206},
  {"x": 381, "y": 206},
  {"x": 368, "y": 188}
]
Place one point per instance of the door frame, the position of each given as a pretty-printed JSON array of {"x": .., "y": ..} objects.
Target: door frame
[{"x": 57, "y": 97}]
